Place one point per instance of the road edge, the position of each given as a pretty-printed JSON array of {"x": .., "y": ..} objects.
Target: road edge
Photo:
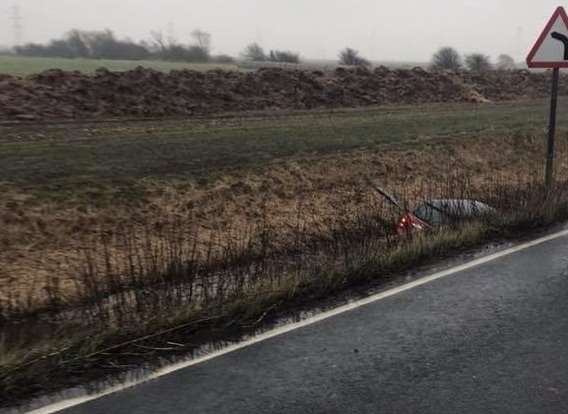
[{"x": 73, "y": 402}]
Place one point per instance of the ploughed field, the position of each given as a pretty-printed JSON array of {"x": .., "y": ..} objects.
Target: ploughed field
[{"x": 144, "y": 92}]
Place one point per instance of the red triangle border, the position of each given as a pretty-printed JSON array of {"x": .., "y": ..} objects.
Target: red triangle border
[{"x": 560, "y": 12}]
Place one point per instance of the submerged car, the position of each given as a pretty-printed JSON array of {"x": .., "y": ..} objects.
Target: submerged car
[{"x": 433, "y": 213}]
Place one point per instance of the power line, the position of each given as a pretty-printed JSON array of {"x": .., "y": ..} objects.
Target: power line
[{"x": 17, "y": 26}]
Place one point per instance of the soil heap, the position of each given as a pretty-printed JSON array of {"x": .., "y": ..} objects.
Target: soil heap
[{"x": 56, "y": 94}]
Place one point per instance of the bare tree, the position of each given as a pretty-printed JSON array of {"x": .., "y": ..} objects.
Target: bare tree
[
  {"x": 351, "y": 57},
  {"x": 506, "y": 62},
  {"x": 159, "y": 42},
  {"x": 283, "y": 56},
  {"x": 254, "y": 52},
  {"x": 202, "y": 39},
  {"x": 77, "y": 43},
  {"x": 447, "y": 58},
  {"x": 478, "y": 63}
]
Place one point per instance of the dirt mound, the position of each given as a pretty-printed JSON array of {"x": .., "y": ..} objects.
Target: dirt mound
[{"x": 148, "y": 93}]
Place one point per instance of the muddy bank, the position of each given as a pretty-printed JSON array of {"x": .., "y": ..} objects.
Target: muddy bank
[{"x": 56, "y": 94}]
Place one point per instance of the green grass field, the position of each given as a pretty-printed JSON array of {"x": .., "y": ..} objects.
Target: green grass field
[
  {"x": 22, "y": 66},
  {"x": 71, "y": 155}
]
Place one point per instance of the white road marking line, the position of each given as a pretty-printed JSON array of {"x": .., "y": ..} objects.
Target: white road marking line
[{"x": 62, "y": 405}]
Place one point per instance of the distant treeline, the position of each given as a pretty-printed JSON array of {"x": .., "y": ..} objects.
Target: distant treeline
[{"x": 105, "y": 45}]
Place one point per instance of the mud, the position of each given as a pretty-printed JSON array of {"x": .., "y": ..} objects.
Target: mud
[{"x": 56, "y": 94}]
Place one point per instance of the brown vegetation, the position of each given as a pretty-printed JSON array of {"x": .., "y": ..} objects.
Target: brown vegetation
[
  {"x": 89, "y": 284},
  {"x": 154, "y": 281},
  {"x": 44, "y": 244},
  {"x": 116, "y": 232}
]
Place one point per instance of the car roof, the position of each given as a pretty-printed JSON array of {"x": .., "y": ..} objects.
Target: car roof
[
  {"x": 457, "y": 206},
  {"x": 454, "y": 202}
]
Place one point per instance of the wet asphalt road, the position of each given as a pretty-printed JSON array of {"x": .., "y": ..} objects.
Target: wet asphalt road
[{"x": 493, "y": 339}]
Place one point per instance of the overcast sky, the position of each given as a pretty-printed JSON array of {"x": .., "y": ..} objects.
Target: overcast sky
[{"x": 390, "y": 30}]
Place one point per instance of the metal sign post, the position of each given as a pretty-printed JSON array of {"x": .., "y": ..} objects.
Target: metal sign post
[
  {"x": 551, "y": 51},
  {"x": 552, "y": 128}
]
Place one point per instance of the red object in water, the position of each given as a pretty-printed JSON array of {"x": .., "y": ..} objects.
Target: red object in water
[{"x": 410, "y": 223}]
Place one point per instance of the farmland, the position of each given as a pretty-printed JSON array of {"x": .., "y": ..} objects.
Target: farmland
[
  {"x": 59, "y": 177},
  {"x": 234, "y": 214},
  {"x": 23, "y": 66},
  {"x": 67, "y": 156},
  {"x": 147, "y": 93}
]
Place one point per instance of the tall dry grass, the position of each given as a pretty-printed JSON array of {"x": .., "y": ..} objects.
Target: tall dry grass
[
  {"x": 139, "y": 279},
  {"x": 135, "y": 276}
]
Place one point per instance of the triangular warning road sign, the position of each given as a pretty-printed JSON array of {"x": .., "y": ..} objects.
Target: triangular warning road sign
[{"x": 551, "y": 48}]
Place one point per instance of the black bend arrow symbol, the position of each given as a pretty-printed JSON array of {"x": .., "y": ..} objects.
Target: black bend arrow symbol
[{"x": 564, "y": 40}]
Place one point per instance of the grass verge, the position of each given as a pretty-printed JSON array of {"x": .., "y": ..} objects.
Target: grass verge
[
  {"x": 228, "y": 223},
  {"x": 144, "y": 299}
]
